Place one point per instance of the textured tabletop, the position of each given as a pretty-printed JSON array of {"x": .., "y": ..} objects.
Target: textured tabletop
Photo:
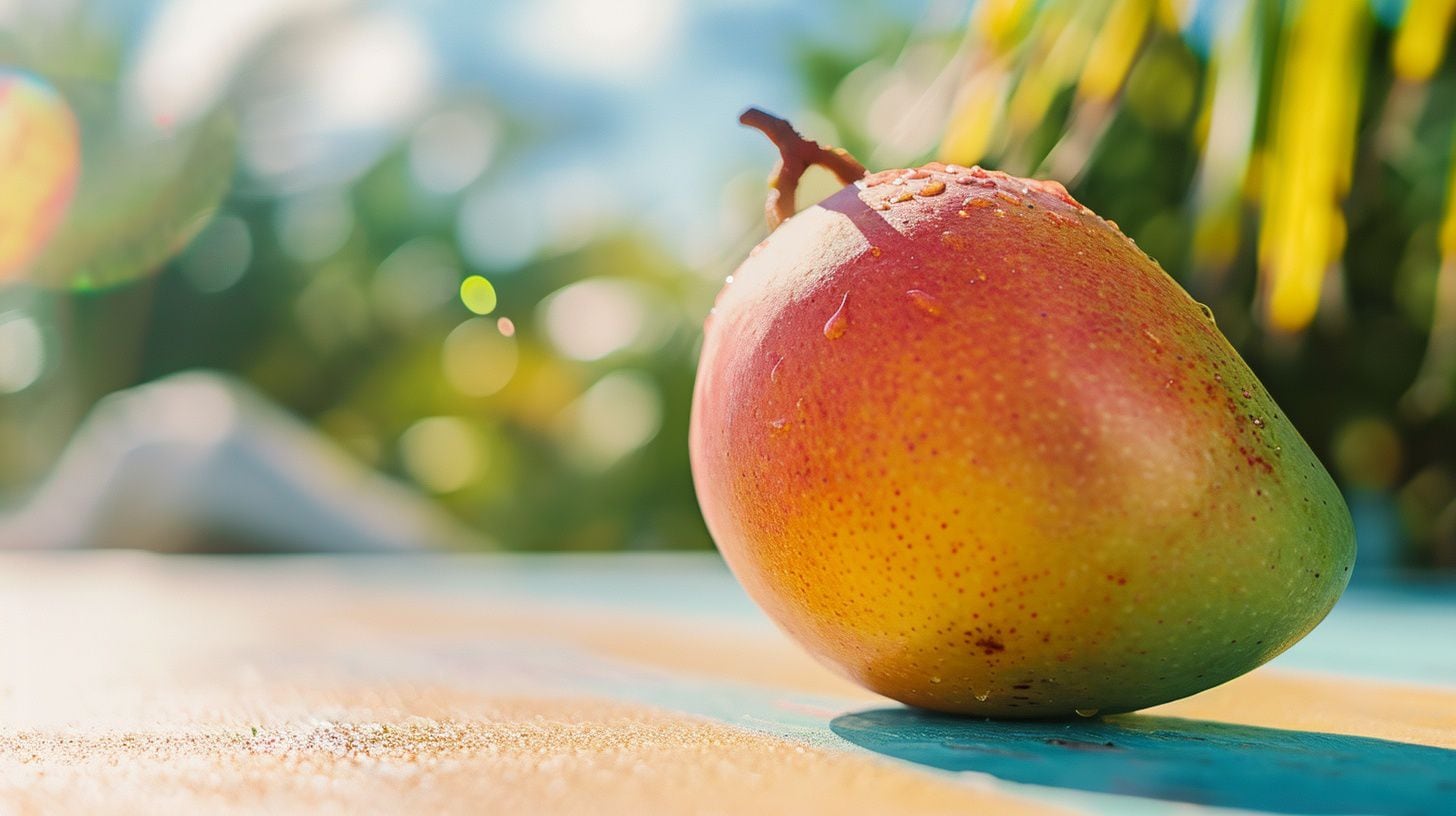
[{"x": 635, "y": 683}]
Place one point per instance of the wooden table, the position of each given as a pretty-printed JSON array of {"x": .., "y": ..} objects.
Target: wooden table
[{"x": 134, "y": 683}]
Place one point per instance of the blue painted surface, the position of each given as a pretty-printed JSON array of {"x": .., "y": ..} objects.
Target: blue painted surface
[
  {"x": 1174, "y": 759},
  {"x": 1388, "y": 628},
  {"x": 1383, "y": 629}
]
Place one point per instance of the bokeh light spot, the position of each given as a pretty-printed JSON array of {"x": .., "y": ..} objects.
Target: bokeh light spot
[
  {"x": 219, "y": 256},
  {"x": 332, "y": 99},
  {"x": 593, "y": 318},
  {"x": 22, "y": 352},
  {"x": 1367, "y": 453},
  {"x": 451, "y": 149},
  {"x": 315, "y": 226},
  {"x": 478, "y": 295},
  {"x": 415, "y": 280},
  {"x": 506, "y": 327},
  {"x": 442, "y": 454},
  {"x": 603, "y": 42},
  {"x": 477, "y": 360},
  {"x": 616, "y": 416},
  {"x": 333, "y": 310},
  {"x": 496, "y": 231}
]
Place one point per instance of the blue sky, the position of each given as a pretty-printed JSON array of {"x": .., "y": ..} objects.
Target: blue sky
[{"x": 639, "y": 97}]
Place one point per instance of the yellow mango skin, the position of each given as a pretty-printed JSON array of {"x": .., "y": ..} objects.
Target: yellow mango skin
[{"x": 968, "y": 445}]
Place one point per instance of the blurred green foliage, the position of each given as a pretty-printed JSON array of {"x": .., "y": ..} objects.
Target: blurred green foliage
[{"x": 343, "y": 306}]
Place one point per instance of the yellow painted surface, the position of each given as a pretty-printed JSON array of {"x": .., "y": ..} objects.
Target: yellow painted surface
[{"x": 423, "y": 750}]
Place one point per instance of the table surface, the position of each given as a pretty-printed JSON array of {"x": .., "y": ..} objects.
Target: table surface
[{"x": 135, "y": 683}]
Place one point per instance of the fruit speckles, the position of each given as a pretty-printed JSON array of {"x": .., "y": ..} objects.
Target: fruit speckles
[{"x": 990, "y": 645}]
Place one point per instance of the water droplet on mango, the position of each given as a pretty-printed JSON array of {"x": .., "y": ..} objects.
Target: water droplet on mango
[
  {"x": 925, "y": 302},
  {"x": 838, "y": 322}
]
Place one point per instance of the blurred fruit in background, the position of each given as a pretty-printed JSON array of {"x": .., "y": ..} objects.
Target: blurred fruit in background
[{"x": 477, "y": 257}]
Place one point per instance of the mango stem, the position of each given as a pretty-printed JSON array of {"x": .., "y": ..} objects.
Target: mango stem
[{"x": 796, "y": 154}]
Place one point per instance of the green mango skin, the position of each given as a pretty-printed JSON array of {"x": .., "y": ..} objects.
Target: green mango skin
[{"x": 974, "y": 450}]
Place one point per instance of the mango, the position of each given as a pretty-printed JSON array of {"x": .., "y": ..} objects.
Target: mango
[{"x": 968, "y": 445}]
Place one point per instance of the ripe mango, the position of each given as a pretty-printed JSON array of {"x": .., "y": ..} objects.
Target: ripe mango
[{"x": 973, "y": 449}]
